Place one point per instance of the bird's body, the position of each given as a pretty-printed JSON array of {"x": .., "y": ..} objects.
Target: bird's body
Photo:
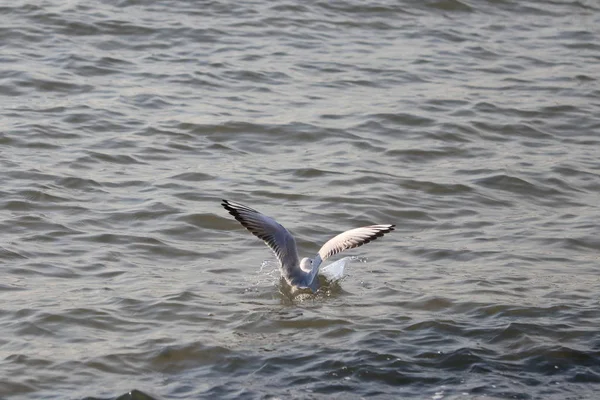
[{"x": 300, "y": 273}]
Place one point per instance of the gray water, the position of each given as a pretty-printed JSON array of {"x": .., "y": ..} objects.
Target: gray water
[{"x": 474, "y": 126}]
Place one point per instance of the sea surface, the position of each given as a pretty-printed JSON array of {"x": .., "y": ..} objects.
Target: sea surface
[{"x": 474, "y": 126}]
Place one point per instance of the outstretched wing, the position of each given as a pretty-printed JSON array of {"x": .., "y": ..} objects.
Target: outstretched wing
[
  {"x": 275, "y": 236},
  {"x": 347, "y": 240},
  {"x": 353, "y": 238}
]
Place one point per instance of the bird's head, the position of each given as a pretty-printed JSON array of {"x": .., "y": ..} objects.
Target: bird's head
[{"x": 306, "y": 264}]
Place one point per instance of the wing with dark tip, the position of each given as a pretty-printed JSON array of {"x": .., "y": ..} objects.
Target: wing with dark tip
[
  {"x": 275, "y": 236},
  {"x": 353, "y": 238}
]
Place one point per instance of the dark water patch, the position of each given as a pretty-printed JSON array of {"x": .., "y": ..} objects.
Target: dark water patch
[
  {"x": 362, "y": 10},
  {"x": 207, "y": 221},
  {"x": 585, "y": 376},
  {"x": 184, "y": 312},
  {"x": 163, "y": 250},
  {"x": 165, "y": 134},
  {"x": 450, "y": 5},
  {"x": 271, "y": 78},
  {"x": 121, "y": 238},
  {"x": 349, "y": 181},
  {"x": 99, "y": 269},
  {"x": 516, "y": 185},
  {"x": 192, "y": 177},
  {"x": 16, "y": 388},
  {"x": 124, "y": 159},
  {"x": 554, "y": 360},
  {"x": 179, "y": 358},
  {"x": 150, "y": 101},
  {"x": 513, "y": 311},
  {"x": 51, "y": 236},
  {"x": 131, "y": 395},
  {"x": 400, "y": 119},
  {"x": 42, "y": 197},
  {"x": 32, "y": 175},
  {"x": 436, "y": 189},
  {"x": 75, "y": 182},
  {"x": 363, "y": 145},
  {"x": 11, "y": 287},
  {"x": 45, "y": 269},
  {"x": 37, "y": 223},
  {"x": 580, "y": 244},
  {"x": 444, "y": 254},
  {"x": 44, "y": 324},
  {"x": 198, "y": 80},
  {"x": 91, "y": 70},
  {"x": 10, "y": 255},
  {"x": 311, "y": 173},
  {"x": 48, "y": 85},
  {"x": 181, "y": 147},
  {"x": 426, "y": 155},
  {"x": 29, "y": 329},
  {"x": 155, "y": 213}
]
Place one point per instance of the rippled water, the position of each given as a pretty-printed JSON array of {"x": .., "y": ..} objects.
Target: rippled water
[{"x": 473, "y": 126}]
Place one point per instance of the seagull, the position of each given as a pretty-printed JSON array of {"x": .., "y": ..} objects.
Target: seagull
[{"x": 300, "y": 273}]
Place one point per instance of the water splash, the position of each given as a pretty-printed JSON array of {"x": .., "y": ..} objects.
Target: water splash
[{"x": 335, "y": 271}]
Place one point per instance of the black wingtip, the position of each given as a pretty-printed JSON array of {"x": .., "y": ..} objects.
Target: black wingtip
[
  {"x": 386, "y": 230},
  {"x": 227, "y": 205}
]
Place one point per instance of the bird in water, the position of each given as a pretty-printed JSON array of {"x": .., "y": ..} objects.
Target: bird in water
[{"x": 298, "y": 273}]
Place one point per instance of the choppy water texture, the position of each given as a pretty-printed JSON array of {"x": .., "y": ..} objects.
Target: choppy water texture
[{"x": 472, "y": 125}]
